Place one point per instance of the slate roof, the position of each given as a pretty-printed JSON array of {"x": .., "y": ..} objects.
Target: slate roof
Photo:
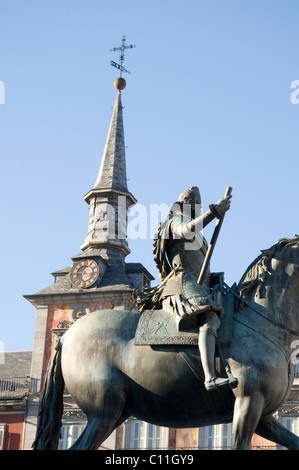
[
  {"x": 114, "y": 279},
  {"x": 137, "y": 267},
  {"x": 112, "y": 173},
  {"x": 16, "y": 364}
]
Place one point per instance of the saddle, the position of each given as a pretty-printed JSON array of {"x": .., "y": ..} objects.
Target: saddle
[{"x": 159, "y": 328}]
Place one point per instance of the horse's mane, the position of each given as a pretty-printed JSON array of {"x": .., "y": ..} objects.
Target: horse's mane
[{"x": 257, "y": 271}]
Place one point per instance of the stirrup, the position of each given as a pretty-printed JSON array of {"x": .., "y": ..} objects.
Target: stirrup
[{"x": 215, "y": 383}]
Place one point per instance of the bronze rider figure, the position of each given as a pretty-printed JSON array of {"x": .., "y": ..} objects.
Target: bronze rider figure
[{"x": 179, "y": 252}]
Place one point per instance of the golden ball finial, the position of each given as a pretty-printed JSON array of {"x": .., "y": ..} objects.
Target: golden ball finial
[{"x": 120, "y": 83}]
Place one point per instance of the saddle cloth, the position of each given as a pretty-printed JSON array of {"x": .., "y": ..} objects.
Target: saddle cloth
[{"x": 159, "y": 328}]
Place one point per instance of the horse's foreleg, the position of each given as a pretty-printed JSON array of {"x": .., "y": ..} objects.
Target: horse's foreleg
[
  {"x": 247, "y": 413},
  {"x": 271, "y": 429}
]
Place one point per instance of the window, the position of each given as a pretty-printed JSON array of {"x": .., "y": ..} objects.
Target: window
[
  {"x": 215, "y": 437},
  {"x": 226, "y": 436},
  {"x": 210, "y": 437},
  {"x": 291, "y": 423},
  {"x": 2, "y": 435},
  {"x": 153, "y": 436},
  {"x": 142, "y": 435},
  {"x": 69, "y": 434}
]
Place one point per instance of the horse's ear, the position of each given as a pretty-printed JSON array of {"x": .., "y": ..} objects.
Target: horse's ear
[{"x": 269, "y": 252}]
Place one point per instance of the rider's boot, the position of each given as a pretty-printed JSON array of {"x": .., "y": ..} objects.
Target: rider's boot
[{"x": 207, "y": 344}]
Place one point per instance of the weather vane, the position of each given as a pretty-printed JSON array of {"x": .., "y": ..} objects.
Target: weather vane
[{"x": 122, "y": 48}]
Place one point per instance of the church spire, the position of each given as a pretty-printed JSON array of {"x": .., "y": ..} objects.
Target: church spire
[
  {"x": 110, "y": 199},
  {"x": 112, "y": 173}
]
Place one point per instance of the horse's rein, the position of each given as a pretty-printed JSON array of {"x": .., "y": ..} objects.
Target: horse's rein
[{"x": 275, "y": 322}]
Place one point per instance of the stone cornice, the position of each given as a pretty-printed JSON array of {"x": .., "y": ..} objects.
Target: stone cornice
[
  {"x": 110, "y": 192},
  {"x": 104, "y": 293}
]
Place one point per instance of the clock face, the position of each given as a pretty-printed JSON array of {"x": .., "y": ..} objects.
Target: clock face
[{"x": 84, "y": 273}]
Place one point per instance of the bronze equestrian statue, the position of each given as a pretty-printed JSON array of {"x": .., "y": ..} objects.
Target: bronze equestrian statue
[{"x": 175, "y": 385}]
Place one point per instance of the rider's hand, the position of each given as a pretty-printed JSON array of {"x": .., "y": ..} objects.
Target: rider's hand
[{"x": 223, "y": 205}]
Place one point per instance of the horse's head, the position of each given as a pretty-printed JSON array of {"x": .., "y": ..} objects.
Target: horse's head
[
  {"x": 286, "y": 255},
  {"x": 272, "y": 280}
]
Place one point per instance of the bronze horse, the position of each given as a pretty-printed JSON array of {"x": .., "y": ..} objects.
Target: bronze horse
[{"x": 112, "y": 379}]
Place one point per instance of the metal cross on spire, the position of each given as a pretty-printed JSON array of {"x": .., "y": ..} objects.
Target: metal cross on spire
[{"x": 122, "y": 48}]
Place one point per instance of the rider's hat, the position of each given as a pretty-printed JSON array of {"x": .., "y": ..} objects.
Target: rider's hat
[{"x": 190, "y": 195}]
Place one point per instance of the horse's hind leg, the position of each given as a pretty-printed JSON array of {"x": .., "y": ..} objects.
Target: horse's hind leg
[
  {"x": 247, "y": 413},
  {"x": 100, "y": 424},
  {"x": 92, "y": 436},
  {"x": 95, "y": 433},
  {"x": 271, "y": 429}
]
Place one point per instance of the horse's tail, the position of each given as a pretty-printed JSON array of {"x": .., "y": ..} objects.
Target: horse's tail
[{"x": 51, "y": 407}]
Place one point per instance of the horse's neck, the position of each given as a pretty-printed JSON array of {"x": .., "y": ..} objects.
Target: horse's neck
[{"x": 277, "y": 295}]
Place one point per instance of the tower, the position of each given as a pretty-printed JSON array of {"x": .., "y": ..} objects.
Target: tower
[
  {"x": 99, "y": 276},
  {"x": 109, "y": 199}
]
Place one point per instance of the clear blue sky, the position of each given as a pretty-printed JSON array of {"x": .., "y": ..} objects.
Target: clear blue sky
[{"x": 207, "y": 103}]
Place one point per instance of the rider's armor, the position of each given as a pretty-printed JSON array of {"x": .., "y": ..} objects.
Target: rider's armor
[{"x": 182, "y": 295}]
